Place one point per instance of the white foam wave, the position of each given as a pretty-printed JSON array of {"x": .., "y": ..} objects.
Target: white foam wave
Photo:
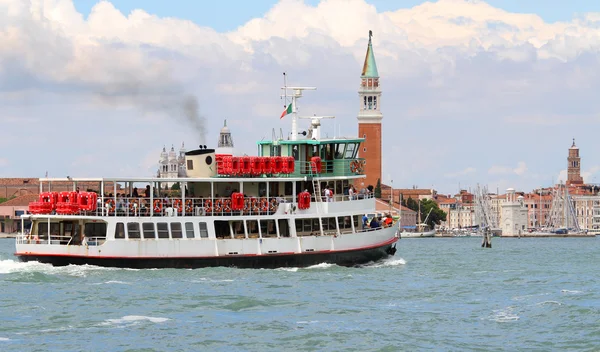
[
  {"x": 321, "y": 266},
  {"x": 307, "y": 322},
  {"x": 548, "y": 302},
  {"x": 504, "y": 315},
  {"x": 292, "y": 270},
  {"x": 4, "y": 339},
  {"x": 571, "y": 292},
  {"x": 387, "y": 262},
  {"x": 134, "y": 319},
  {"x": 9, "y": 266}
]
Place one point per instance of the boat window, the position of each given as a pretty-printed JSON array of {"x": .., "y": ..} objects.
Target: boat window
[
  {"x": 329, "y": 225},
  {"x": 189, "y": 230},
  {"x": 350, "y": 151},
  {"x": 238, "y": 229},
  {"x": 295, "y": 153},
  {"x": 55, "y": 231},
  {"x": 267, "y": 228},
  {"x": 203, "y": 230},
  {"x": 275, "y": 150},
  {"x": 148, "y": 230},
  {"x": 163, "y": 230},
  {"x": 284, "y": 228},
  {"x": 304, "y": 227},
  {"x": 288, "y": 188},
  {"x": 190, "y": 165},
  {"x": 339, "y": 150},
  {"x": 355, "y": 219},
  {"x": 252, "y": 228},
  {"x": 43, "y": 230},
  {"x": 133, "y": 230},
  {"x": 120, "y": 231},
  {"x": 345, "y": 224},
  {"x": 222, "y": 229},
  {"x": 95, "y": 229},
  {"x": 176, "y": 230}
]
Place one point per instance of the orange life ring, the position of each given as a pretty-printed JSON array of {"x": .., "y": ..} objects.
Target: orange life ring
[
  {"x": 189, "y": 207},
  {"x": 227, "y": 205},
  {"x": 264, "y": 204},
  {"x": 133, "y": 204},
  {"x": 246, "y": 204},
  {"x": 218, "y": 206},
  {"x": 157, "y": 206},
  {"x": 177, "y": 205},
  {"x": 208, "y": 206},
  {"x": 354, "y": 166},
  {"x": 255, "y": 207},
  {"x": 273, "y": 204},
  {"x": 111, "y": 204}
]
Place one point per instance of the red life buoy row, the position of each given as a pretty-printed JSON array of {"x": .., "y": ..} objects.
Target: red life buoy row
[
  {"x": 253, "y": 166},
  {"x": 303, "y": 200},
  {"x": 64, "y": 202}
]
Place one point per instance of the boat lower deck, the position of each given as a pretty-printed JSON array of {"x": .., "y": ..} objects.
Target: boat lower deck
[{"x": 351, "y": 257}]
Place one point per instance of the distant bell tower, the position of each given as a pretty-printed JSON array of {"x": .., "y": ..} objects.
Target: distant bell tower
[
  {"x": 574, "y": 169},
  {"x": 369, "y": 117}
]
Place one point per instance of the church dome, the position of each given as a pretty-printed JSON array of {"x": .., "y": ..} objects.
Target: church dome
[{"x": 163, "y": 155}]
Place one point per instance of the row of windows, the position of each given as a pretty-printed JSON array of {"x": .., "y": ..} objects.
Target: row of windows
[
  {"x": 236, "y": 228},
  {"x": 150, "y": 231}
]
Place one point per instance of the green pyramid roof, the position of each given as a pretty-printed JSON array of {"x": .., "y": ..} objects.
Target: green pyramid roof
[{"x": 370, "y": 67}]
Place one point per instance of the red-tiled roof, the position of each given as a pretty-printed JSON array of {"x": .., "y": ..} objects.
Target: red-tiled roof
[
  {"x": 21, "y": 201},
  {"x": 18, "y": 181}
]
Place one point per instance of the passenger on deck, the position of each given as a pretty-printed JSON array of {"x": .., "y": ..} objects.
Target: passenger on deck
[
  {"x": 375, "y": 223},
  {"x": 365, "y": 224},
  {"x": 147, "y": 192},
  {"x": 351, "y": 192},
  {"x": 388, "y": 220},
  {"x": 135, "y": 193}
]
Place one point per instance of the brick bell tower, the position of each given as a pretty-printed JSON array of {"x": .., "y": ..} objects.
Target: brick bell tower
[
  {"x": 369, "y": 117},
  {"x": 574, "y": 168}
]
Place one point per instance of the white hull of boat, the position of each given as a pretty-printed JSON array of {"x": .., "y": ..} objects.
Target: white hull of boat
[{"x": 407, "y": 234}]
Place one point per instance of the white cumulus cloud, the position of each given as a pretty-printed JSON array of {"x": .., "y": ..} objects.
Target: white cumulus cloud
[{"x": 463, "y": 83}]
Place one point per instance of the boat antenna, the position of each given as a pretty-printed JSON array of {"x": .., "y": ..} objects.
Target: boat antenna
[{"x": 284, "y": 90}]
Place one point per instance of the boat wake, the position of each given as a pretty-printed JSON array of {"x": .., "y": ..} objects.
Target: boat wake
[
  {"x": 388, "y": 262},
  {"x": 9, "y": 266}
]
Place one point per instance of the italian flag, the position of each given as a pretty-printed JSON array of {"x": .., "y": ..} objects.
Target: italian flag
[{"x": 287, "y": 110}]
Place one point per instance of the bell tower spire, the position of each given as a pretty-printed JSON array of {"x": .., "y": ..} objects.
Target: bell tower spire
[{"x": 370, "y": 116}]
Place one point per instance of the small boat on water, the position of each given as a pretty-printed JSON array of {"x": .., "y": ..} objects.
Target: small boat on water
[
  {"x": 266, "y": 211},
  {"x": 418, "y": 231},
  {"x": 421, "y": 230}
]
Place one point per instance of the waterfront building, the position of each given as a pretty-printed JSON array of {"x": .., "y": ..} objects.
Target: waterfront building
[{"x": 514, "y": 214}]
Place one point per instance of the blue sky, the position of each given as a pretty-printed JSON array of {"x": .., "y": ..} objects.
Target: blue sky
[
  {"x": 471, "y": 93},
  {"x": 226, "y": 15}
]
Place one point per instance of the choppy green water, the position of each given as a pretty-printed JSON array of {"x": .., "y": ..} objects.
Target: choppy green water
[{"x": 435, "y": 294}]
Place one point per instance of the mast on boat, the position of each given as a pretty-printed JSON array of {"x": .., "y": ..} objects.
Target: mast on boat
[{"x": 294, "y": 94}]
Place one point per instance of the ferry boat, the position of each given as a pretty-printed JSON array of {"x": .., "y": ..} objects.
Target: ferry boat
[{"x": 266, "y": 211}]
